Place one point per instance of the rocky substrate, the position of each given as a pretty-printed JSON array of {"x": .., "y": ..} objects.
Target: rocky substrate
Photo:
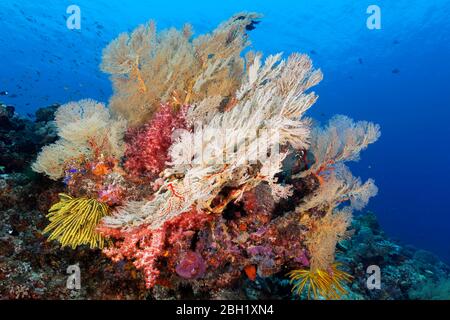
[{"x": 33, "y": 268}]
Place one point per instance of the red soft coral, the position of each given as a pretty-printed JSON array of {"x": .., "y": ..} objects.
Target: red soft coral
[
  {"x": 141, "y": 245},
  {"x": 147, "y": 150},
  {"x": 146, "y": 247}
]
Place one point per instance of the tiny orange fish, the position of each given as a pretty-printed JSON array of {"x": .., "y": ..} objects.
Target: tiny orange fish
[
  {"x": 100, "y": 169},
  {"x": 250, "y": 271}
]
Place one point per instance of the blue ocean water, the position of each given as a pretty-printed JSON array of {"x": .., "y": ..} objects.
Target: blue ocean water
[{"x": 397, "y": 76}]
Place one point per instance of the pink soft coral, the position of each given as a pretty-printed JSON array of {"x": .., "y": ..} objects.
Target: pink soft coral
[
  {"x": 147, "y": 150},
  {"x": 141, "y": 245},
  {"x": 191, "y": 266},
  {"x": 172, "y": 242}
]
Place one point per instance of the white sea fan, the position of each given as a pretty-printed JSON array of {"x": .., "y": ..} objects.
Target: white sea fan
[
  {"x": 275, "y": 106},
  {"x": 269, "y": 169},
  {"x": 338, "y": 187},
  {"x": 237, "y": 149},
  {"x": 341, "y": 140},
  {"x": 359, "y": 197}
]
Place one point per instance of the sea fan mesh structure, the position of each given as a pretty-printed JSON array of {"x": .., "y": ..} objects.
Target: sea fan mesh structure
[
  {"x": 82, "y": 126},
  {"x": 149, "y": 67}
]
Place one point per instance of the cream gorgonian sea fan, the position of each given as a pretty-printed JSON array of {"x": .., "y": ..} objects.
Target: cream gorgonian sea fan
[
  {"x": 340, "y": 186},
  {"x": 81, "y": 126},
  {"x": 237, "y": 149},
  {"x": 341, "y": 140}
]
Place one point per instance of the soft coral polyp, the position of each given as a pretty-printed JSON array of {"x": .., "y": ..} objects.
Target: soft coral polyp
[{"x": 147, "y": 149}]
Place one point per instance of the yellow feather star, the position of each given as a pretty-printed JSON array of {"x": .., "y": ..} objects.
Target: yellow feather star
[
  {"x": 327, "y": 284},
  {"x": 73, "y": 221}
]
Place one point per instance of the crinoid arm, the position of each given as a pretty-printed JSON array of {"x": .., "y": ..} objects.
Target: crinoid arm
[
  {"x": 73, "y": 221},
  {"x": 318, "y": 283}
]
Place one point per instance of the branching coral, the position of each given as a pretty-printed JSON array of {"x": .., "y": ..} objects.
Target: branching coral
[{"x": 73, "y": 221}]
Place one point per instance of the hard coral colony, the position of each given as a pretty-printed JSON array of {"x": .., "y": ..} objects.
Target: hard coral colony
[{"x": 204, "y": 169}]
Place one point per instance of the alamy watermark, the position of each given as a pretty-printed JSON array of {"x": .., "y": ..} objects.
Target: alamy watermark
[
  {"x": 374, "y": 20},
  {"x": 374, "y": 279},
  {"x": 74, "y": 279},
  {"x": 73, "y": 22}
]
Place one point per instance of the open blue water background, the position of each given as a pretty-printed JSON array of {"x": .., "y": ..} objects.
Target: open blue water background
[{"x": 398, "y": 76}]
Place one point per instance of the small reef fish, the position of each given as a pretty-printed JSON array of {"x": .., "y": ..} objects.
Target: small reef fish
[
  {"x": 100, "y": 169},
  {"x": 250, "y": 271}
]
